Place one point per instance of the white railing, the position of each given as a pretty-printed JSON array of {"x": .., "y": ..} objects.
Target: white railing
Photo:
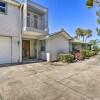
[{"x": 36, "y": 23}]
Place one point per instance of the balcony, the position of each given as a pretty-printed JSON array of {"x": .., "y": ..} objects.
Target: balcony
[
  {"x": 36, "y": 24},
  {"x": 35, "y": 19}
]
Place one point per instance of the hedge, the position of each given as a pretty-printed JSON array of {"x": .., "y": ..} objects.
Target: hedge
[{"x": 66, "y": 58}]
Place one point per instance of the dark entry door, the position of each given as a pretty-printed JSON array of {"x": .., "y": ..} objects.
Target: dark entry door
[{"x": 26, "y": 49}]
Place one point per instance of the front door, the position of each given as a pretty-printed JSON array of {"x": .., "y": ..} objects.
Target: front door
[{"x": 26, "y": 49}]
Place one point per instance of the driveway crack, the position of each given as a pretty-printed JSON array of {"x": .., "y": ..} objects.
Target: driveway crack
[
  {"x": 76, "y": 73},
  {"x": 69, "y": 87}
]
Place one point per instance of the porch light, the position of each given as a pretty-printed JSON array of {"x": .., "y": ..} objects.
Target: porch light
[{"x": 18, "y": 43}]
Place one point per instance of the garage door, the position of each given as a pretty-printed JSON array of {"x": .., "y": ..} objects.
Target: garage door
[{"x": 5, "y": 50}]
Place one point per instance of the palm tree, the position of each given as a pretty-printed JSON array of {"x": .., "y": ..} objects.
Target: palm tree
[
  {"x": 84, "y": 33},
  {"x": 88, "y": 34},
  {"x": 81, "y": 33},
  {"x": 98, "y": 31}
]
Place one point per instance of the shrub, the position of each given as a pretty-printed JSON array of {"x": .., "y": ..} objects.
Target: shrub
[
  {"x": 96, "y": 49},
  {"x": 90, "y": 53},
  {"x": 83, "y": 53},
  {"x": 87, "y": 53},
  {"x": 66, "y": 58},
  {"x": 77, "y": 55}
]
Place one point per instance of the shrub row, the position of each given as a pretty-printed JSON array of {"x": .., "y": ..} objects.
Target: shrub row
[
  {"x": 78, "y": 55},
  {"x": 66, "y": 58}
]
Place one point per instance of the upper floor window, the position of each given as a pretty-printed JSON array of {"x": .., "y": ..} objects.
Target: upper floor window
[
  {"x": 3, "y": 7},
  {"x": 35, "y": 21},
  {"x": 28, "y": 19}
]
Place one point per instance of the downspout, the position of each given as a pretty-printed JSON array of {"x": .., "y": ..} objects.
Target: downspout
[
  {"x": 20, "y": 35},
  {"x": 11, "y": 51}
]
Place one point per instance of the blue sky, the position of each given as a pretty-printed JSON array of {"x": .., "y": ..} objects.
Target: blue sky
[{"x": 70, "y": 14}]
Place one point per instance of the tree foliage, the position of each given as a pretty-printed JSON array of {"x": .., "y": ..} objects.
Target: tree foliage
[
  {"x": 90, "y": 3},
  {"x": 98, "y": 21},
  {"x": 95, "y": 42},
  {"x": 83, "y": 33}
]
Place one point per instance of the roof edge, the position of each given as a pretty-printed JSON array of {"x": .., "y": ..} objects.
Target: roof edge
[
  {"x": 62, "y": 30},
  {"x": 13, "y": 2}
]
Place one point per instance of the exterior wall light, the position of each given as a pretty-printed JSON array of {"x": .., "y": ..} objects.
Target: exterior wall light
[{"x": 18, "y": 43}]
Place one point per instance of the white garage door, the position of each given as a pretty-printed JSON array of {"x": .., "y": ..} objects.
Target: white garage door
[{"x": 5, "y": 50}]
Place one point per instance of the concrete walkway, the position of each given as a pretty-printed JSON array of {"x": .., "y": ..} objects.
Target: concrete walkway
[{"x": 54, "y": 81}]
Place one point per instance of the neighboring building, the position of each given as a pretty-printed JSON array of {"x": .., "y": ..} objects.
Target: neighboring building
[
  {"x": 24, "y": 33},
  {"x": 76, "y": 44},
  {"x": 57, "y": 43}
]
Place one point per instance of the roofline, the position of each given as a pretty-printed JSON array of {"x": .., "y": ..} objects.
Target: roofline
[
  {"x": 81, "y": 42},
  {"x": 12, "y": 2},
  {"x": 38, "y": 4},
  {"x": 66, "y": 33},
  {"x": 62, "y": 30},
  {"x": 15, "y": 1}
]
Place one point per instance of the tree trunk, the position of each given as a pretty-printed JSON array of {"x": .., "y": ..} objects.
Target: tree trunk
[{"x": 83, "y": 38}]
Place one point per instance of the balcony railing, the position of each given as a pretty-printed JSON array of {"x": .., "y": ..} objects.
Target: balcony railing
[{"x": 36, "y": 23}]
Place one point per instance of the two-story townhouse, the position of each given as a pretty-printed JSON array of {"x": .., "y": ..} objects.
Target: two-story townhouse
[
  {"x": 22, "y": 28},
  {"x": 10, "y": 31}
]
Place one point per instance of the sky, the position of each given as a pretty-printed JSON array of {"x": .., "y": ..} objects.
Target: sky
[{"x": 70, "y": 15}]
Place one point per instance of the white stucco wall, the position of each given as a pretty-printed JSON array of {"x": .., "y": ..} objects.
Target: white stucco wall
[
  {"x": 10, "y": 27},
  {"x": 10, "y": 22},
  {"x": 55, "y": 45},
  {"x": 15, "y": 50}
]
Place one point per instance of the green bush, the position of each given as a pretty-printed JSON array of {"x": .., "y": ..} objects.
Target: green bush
[
  {"x": 96, "y": 49},
  {"x": 90, "y": 53},
  {"x": 87, "y": 53},
  {"x": 66, "y": 58},
  {"x": 83, "y": 53}
]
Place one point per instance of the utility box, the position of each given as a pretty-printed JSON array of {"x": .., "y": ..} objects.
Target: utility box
[{"x": 48, "y": 57}]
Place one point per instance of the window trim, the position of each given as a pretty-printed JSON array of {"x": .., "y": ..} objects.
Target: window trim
[{"x": 6, "y": 7}]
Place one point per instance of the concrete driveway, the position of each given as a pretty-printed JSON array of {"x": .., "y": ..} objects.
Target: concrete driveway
[{"x": 55, "y": 81}]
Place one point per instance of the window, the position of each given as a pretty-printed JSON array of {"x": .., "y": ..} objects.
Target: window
[
  {"x": 35, "y": 21},
  {"x": 28, "y": 19},
  {"x": 43, "y": 43},
  {"x": 3, "y": 7}
]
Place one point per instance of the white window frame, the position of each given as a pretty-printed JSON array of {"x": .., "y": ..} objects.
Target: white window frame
[{"x": 4, "y": 7}]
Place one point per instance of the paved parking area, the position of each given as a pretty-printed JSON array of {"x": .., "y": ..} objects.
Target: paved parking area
[{"x": 51, "y": 81}]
